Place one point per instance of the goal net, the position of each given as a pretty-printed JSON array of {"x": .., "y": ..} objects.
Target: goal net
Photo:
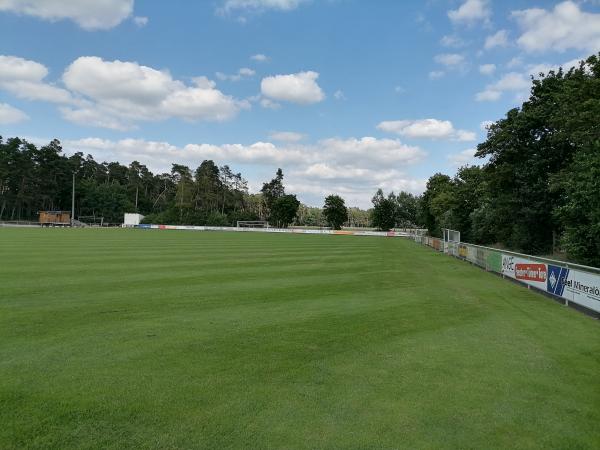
[
  {"x": 252, "y": 224},
  {"x": 91, "y": 221}
]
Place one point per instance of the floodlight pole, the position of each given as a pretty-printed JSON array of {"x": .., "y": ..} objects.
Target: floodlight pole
[{"x": 73, "y": 203}]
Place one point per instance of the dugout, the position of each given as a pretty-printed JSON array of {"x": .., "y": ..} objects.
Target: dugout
[{"x": 55, "y": 218}]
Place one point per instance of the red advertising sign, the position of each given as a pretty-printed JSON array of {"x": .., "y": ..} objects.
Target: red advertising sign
[{"x": 531, "y": 272}]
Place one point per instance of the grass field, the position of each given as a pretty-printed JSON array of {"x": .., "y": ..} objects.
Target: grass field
[{"x": 168, "y": 339}]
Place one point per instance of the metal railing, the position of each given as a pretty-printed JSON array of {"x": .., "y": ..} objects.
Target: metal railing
[
  {"x": 19, "y": 223},
  {"x": 570, "y": 282},
  {"x": 557, "y": 262}
]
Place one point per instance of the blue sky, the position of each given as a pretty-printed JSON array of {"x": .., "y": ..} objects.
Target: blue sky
[{"x": 345, "y": 95}]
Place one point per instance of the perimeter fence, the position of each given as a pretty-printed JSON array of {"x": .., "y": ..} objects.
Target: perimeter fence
[
  {"x": 405, "y": 233},
  {"x": 573, "y": 284}
]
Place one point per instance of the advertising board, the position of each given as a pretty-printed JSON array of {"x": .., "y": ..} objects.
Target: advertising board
[
  {"x": 575, "y": 286},
  {"x": 525, "y": 270},
  {"x": 494, "y": 261},
  {"x": 471, "y": 256},
  {"x": 578, "y": 286},
  {"x": 451, "y": 248},
  {"x": 480, "y": 257}
]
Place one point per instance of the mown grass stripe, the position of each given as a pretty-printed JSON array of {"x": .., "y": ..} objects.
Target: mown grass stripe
[{"x": 166, "y": 339}]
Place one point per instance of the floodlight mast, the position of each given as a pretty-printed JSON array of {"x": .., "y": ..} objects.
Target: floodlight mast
[{"x": 73, "y": 203}]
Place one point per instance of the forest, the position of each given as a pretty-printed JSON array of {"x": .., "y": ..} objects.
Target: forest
[
  {"x": 34, "y": 179},
  {"x": 537, "y": 189}
]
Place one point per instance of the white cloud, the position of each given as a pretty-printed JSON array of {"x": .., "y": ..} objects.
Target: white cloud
[
  {"x": 25, "y": 79},
  {"x": 95, "y": 117},
  {"x": 485, "y": 125},
  {"x": 89, "y": 15},
  {"x": 286, "y": 136},
  {"x": 39, "y": 91},
  {"x": 201, "y": 103},
  {"x": 450, "y": 59},
  {"x": 565, "y": 27},
  {"x": 13, "y": 68},
  {"x": 299, "y": 88},
  {"x": 230, "y": 6},
  {"x": 355, "y": 185},
  {"x": 353, "y": 167},
  {"x": 514, "y": 62},
  {"x": 339, "y": 95},
  {"x": 426, "y": 129},
  {"x": 159, "y": 155},
  {"x": 326, "y": 172},
  {"x": 244, "y": 72},
  {"x": 451, "y": 62},
  {"x": 119, "y": 93},
  {"x": 512, "y": 81},
  {"x": 259, "y": 57},
  {"x": 498, "y": 39},
  {"x": 487, "y": 69},
  {"x": 10, "y": 114},
  {"x": 367, "y": 152},
  {"x": 452, "y": 41},
  {"x": 464, "y": 135},
  {"x": 520, "y": 82},
  {"x": 466, "y": 157},
  {"x": 269, "y": 104},
  {"x": 399, "y": 90},
  {"x": 116, "y": 94},
  {"x": 140, "y": 21},
  {"x": 359, "y": 192},
  {"x": 545, "y": 68},
  {"x": 471, "y": 11},
  {"x": 126, "y": 84},
  {"x": 488, "y": 95}
]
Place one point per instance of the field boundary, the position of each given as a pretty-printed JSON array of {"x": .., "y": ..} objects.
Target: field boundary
[
  {"x": 18, "y": 224},
  {"x": 574, "y": 285},
  {"x": 277, "y": 230}
]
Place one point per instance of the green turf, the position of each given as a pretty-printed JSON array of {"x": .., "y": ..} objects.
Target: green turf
[{"x": 171, "y": 339}]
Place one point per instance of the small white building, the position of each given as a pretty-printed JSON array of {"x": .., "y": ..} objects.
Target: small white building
[{"x": 132, "y": 220}]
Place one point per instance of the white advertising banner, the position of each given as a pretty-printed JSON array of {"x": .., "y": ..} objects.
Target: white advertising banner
[
  {"x": 529, "y": 272},
  {"x": 575, "y": 286},
  {"x": 471, "y": 254},
  {"x": 279, "y": 230},
  {"x": 451, "y": 248}
]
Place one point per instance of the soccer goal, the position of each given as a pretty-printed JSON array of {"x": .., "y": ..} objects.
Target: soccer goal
[
  {"x": 451, "y": 241},
  {"x": 92, "y": 221},
  {"x": 252, "y": 224}
]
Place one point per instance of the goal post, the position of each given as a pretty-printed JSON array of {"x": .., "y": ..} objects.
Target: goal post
[{"x": 252, "y": 224}]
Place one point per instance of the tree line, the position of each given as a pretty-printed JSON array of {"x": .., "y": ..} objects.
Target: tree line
[
  {"x": 34, "y": 179},
  {"x": 539, "y": 190}
]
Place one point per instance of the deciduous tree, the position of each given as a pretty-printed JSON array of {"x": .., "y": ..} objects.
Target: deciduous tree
[{"x": 335, "y": 211}]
